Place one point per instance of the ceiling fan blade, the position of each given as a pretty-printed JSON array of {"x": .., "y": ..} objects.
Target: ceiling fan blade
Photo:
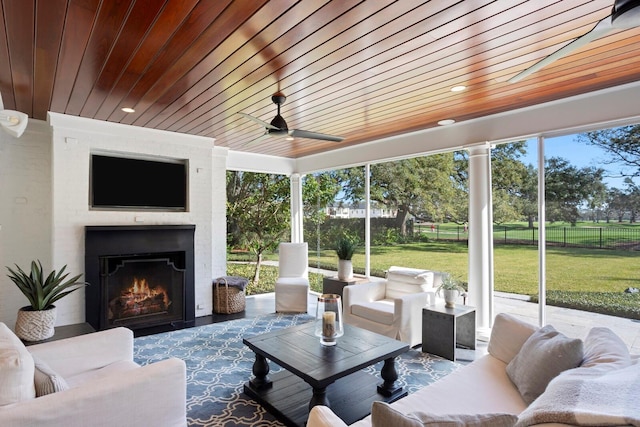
[
  {"x": 258, "y": 139},
  {"x": 297, "y": 133},
  {"x": 602, "y": 28},
  {"x": 260, "y": 122}
]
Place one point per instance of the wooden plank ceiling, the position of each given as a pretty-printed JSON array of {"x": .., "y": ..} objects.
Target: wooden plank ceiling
[{"x": 359, "y": 69}]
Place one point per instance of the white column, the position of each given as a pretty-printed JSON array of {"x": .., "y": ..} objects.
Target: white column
[
  {"x": 297, "y": 212},
  {"x": 367, "y": 220},
  {"x": 542, "y": 237},
  {"x": 481, "y": 239}
]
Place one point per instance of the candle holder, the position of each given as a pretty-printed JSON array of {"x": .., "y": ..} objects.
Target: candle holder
[{"x": 329, "y": 319}]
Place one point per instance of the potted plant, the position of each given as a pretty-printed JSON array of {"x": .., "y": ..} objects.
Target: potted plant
[
  {"x": 450, "y": 289},
  {"x": 36, "y": 321},
  {"x": 345, "y": 248}
]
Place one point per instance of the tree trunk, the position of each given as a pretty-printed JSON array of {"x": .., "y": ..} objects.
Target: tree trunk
[
  {"x": 401, "y": 220},
  {"x": 530, "y": 220},
  {"x": 256, "y": 274}
]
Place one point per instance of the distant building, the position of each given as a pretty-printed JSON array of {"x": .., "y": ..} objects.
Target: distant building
[{"x": 359, "y": 211}]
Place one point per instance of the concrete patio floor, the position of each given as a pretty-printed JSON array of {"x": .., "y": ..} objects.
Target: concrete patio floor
[{"x": 574, "y": 323}]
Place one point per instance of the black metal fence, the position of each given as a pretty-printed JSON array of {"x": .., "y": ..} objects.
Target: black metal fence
[{"x": 621, "y": 238}]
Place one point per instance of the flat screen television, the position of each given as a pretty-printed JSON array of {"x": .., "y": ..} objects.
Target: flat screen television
[{"x": 130, "y": 184}]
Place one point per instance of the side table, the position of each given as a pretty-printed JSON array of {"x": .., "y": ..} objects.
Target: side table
[
  {"x": 443, "y": 328},
  {"x": 333, "y": 285},
  {"x": 67, "y": 331}
]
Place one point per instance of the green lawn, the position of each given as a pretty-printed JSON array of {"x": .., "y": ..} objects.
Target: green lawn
[{"x": 589, "y": 279}]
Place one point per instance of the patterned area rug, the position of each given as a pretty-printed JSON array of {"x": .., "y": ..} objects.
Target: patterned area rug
[{"x": 218, "y": 365}]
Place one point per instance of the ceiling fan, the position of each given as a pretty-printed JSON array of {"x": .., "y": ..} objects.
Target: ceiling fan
[
  {"x": 13, "y": 122},
  {"x": 278, "y": 125},
  {"x": 625, "y": 14}
]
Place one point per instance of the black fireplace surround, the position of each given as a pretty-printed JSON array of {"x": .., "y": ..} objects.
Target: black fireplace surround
[{"x": 106, "y": 243}]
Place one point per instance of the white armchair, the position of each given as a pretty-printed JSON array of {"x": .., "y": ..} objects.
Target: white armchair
[
  {"x": 91, "y": 380},
  {"x": 292, "y": 285},
  {"x": 392, "y": 307}
]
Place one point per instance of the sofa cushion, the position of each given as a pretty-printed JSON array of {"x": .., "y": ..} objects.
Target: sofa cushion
[
  {"x": 377, "y": 311},
  {"x": 604, "y": 351},
  {"x": 507, "y": 336},
  {"x": 542, "y": 357},
  {"x": 383, "y": 415},
  {"x": 16, "y": 368}
]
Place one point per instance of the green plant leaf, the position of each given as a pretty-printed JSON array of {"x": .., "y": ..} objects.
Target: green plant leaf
[{"x": 43, "y": 292}]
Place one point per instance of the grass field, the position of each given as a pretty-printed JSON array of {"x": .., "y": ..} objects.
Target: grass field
[{"x": 589, "y": 279}]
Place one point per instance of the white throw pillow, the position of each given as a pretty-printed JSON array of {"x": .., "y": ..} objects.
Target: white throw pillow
[
  {"x": 46, "y": 380},
  {"x": 507, "y": 336},
  {"x": 16, "y": 369},
  {"x": 542, "y": 357},
  {"x": 604, "y": 350}
]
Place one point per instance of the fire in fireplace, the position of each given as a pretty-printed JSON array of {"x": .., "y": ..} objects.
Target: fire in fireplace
[{"x": 143, "y": 288}]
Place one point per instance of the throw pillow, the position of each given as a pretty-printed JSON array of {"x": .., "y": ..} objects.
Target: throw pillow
[
  {"x": 16, "y": 369},
  {"x": 542, "y": 357},
  {"x": 46, "y": 380},
  {"x": 507, "y": 336},
  {"x": 604, "y": 350},
  {"x": 384, "y": 415}
]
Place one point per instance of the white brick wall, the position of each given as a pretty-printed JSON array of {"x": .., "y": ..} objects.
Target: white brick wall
[
  {"x": 25, "y": 209},
  {"x": 65, "y": 153}
]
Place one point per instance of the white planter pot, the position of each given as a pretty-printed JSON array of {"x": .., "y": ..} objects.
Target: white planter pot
[
  {"x": 345, "y": 269},
  {"x": 35, "y": 325},
  {"x": 450, "y": 297}
]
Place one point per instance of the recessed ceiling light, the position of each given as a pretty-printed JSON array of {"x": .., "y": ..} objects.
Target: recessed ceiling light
[
  {"x": 128, "y": 110},
  {"x": 446, "y": 122},
  {"x": 458, "y": 88}
]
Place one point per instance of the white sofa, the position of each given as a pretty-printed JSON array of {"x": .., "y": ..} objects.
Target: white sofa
[
  {"x": 484, "y": 387},
  {"x": 392, "y": 307},
  {"x": 91, "y": 380}
]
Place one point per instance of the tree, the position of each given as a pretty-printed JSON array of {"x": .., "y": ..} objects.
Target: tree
[
  {"x": 567, "y": 187},
  {"x": 258, "y": 212},
  {"x": 420, "y": 186},
  {"x": 622, "y": 144}
]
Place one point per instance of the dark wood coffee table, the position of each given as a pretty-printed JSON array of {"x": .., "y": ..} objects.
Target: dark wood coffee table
[{"x": 319, "y": 375}]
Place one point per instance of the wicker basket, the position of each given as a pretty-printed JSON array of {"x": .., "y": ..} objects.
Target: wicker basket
[{"x": 227, "y": 299}]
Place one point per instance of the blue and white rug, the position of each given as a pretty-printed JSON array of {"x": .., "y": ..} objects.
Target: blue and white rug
[{"x": 218, "y": 365}]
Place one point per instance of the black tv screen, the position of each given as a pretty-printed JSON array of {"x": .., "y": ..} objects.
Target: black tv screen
[{"x": 127, "y": 183}]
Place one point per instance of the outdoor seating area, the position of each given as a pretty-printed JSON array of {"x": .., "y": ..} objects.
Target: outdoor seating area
[{"x": 311, "y": 214}]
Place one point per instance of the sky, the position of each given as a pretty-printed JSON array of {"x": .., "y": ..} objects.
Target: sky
[{"x": 579, "y": 154}]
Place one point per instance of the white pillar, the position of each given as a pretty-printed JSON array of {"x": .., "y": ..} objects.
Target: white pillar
[
  {"x": 367, "y": 220},
  {"x": 297, "y": 212},
  {"x": 542, "y": 237},
  {"x": 481, "y": 239}
]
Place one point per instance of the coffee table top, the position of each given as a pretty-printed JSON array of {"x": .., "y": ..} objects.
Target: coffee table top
[{"x": 299, "y": 351}]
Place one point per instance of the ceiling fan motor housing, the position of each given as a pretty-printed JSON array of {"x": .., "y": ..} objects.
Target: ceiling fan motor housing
[{"x": 625, "y": 14}]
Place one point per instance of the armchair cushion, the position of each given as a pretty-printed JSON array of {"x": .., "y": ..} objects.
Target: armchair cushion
[
  {"x": 46, "y": 380},
  {"x": 376, "y": 311},
  {"x": 16, "y": 369}
]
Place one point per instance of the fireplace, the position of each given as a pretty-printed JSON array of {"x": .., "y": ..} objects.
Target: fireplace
[{"x": 140, "y": 277}]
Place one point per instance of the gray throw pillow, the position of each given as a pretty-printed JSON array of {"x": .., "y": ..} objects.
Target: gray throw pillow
[
  {"x": 46, "y": 380},
  {"x": 542, "y": 357},
  {"x": 383, "y": 415}
]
